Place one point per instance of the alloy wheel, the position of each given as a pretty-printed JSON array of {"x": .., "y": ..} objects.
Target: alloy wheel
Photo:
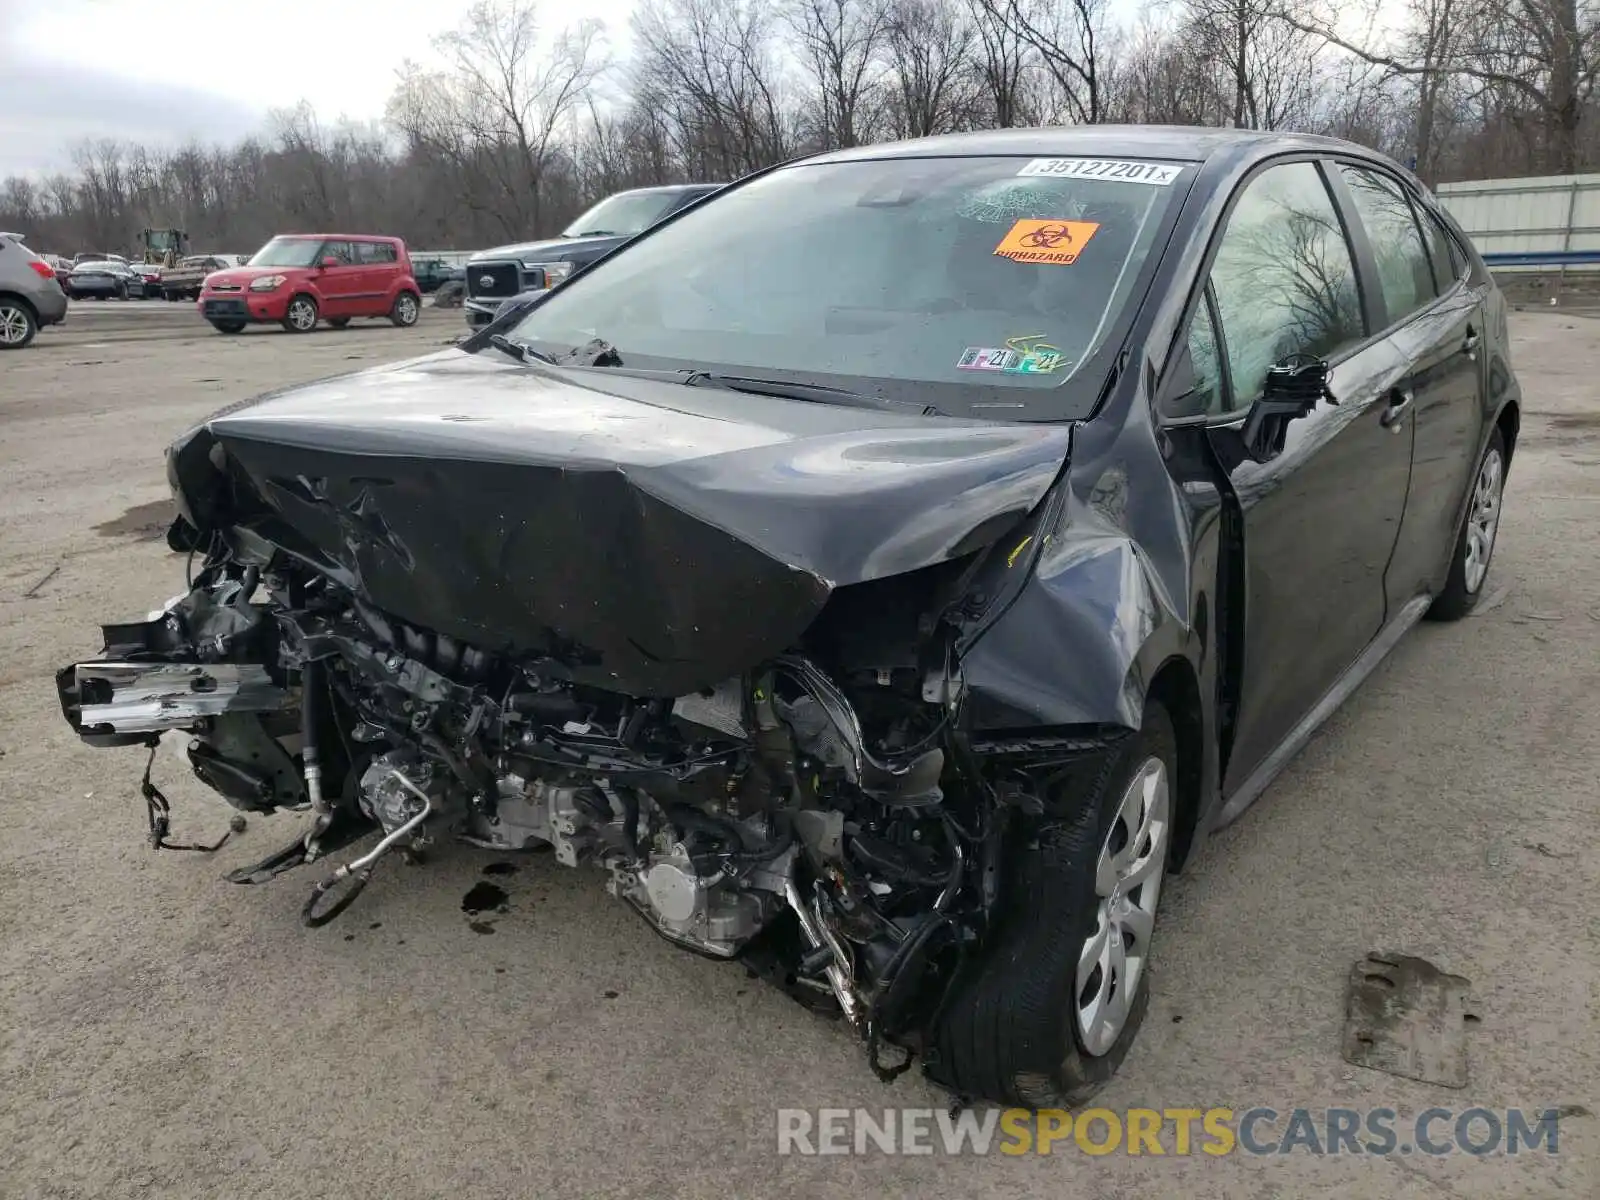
[
  {"x": 405, "y": 308},
  {"x": 302, "y": 315},
  {"x": 1127, "y": 885},
  {"x": 13, "y": 325},
  {"x": 1483, "y": 520}
]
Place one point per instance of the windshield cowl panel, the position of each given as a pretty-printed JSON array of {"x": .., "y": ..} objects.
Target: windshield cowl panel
[{"x": 981, "y": 286}]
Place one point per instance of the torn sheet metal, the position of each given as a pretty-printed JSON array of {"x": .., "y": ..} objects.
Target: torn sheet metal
[
  {"x": 1406, "y": 1017},
  {"x": 151, "y": 697}
]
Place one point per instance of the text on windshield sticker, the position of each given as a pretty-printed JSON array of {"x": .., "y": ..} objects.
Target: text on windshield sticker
[
  {"x": 1159, "y": 174},
  {"x": 1059, "y": 242},
  {"x": 1026, "y": 355}
]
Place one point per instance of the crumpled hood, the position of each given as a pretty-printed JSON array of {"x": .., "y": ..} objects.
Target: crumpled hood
[
  {"x": 653, "y": 537},
  {"x": 549, "y": 250}
]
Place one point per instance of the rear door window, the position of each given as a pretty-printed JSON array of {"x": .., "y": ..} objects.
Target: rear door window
[
  {"x": 1284, "y": 277},
  {"x": 375, "y": 253},
  {"x": 1405, "y": 274},
  {"x": 1448, "y": 266}
]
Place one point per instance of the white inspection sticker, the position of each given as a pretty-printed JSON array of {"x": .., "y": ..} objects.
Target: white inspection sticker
[{"x": 1160, "y": 174}]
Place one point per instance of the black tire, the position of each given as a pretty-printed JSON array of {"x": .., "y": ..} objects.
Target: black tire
[
  {"x": 298, "y": 304},
  {"x": 407, "y": 308},
  {"x": 228, "y": 326},
  {"x": 1458, "y": 598},
  {"x": 122, "y": 291},
  {"x": 338, "y": 322},
  {"x": 18, "y": 325},
  {"x": 1010, "y": 1032}
]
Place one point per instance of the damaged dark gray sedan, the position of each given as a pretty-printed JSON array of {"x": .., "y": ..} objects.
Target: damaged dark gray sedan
[{"x": 885, "y": 572}]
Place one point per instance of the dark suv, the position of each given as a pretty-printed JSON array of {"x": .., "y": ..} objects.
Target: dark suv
[{"x": 494, "y": 276}]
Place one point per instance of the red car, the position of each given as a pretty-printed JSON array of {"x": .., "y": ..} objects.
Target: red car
[{"x": 298, "y": 279}]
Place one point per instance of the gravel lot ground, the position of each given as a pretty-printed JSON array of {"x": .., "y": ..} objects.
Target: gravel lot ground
[{"x": 165, "y": 1033}]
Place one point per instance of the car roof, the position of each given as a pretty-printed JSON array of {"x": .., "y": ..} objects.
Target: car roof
[
  {"x": 1181, "y": 143},
  {"x": 668, "y": 189}
]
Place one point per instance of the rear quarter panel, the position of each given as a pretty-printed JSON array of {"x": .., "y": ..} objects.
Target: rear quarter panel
[{"x": 401, "y": 276}]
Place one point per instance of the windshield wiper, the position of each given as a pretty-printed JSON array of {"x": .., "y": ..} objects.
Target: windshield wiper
[
  {"x": 596, "y": 233},
  {"x": 814, "y": 392},
  {"x": 520, "y": 351},
  {"x": 599, "y": 353}
]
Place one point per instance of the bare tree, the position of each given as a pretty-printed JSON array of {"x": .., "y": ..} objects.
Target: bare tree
[
  {"x": 840, "y": 42},
  {"x": 22, "y": 203},
  {"x": 930, "y": 61},
  {"x": 1163, "y": 76},
  {"x": 1269, "y": 63},
  {"x": 1004, "y": 61},
  {"x": 518, "y": 132},
  {"x": 1432, "y": 41},
  {"x": 710, "y": 68},
  {"x": 102, "y": 188},
  {"x": 501, "y": 101},
  {"x": 1544, "y": 54},
  {"x": 1065, "y": 38},
  {"x": 305, "y": 159}
]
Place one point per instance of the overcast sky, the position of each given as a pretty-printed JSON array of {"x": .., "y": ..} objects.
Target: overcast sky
[
  {"x": 76, "y": 69},
  {"x": 72, "y": 69}
]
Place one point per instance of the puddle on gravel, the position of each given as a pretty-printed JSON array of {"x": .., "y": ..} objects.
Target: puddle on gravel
[
  {"x": 145, "y": 522},
  {"x": 500, "y": 868},
  {"x": 481, "y": 926},
  {"x": 484, "y": 897}
]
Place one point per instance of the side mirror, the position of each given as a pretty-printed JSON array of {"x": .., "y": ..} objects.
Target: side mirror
[
  {"x": 329, "y": 260},
  {"x": 1292, "y": 390}
]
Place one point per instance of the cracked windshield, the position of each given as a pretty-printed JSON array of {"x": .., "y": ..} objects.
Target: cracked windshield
[{"x": 987, "y": 271}]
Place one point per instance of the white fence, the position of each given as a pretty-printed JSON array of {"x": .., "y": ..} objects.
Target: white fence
[{"x": 1530, "y": 224}]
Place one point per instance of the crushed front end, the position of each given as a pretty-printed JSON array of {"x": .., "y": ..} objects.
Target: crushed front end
[
  {"x": 828, "y": 824},
  {"x": 765, "y": 751}
]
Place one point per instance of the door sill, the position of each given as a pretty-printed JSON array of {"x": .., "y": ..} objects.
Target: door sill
[{"x": 1354, "y": 675}]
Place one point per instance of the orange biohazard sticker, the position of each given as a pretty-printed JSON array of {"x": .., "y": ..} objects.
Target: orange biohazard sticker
[{"x": 1057, "y": 242}]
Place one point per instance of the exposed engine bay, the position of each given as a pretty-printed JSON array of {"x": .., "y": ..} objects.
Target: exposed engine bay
[
  {"x": 790, "y": 677},
  {"x": 827, "y": 824}
]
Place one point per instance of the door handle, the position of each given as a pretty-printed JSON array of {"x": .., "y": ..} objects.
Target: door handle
[
  {"x": 1400, "y": 401},
  {"x": 1469, "y": 345}
]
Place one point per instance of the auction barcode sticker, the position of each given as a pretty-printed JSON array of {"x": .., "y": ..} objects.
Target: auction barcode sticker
[{"x": 1124, "y": 171}]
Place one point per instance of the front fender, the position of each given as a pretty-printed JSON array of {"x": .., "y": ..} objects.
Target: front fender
[{"x": 1082, "y": 638}]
